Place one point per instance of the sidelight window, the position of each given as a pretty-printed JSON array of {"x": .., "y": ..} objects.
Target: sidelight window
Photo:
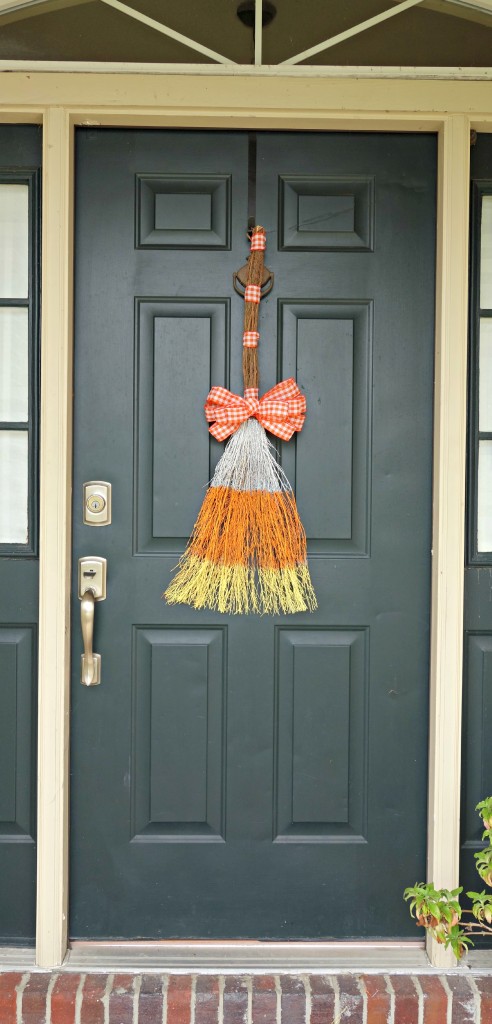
[{"x": 18, "y": 361}]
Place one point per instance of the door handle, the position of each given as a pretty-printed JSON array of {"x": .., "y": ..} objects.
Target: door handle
[
  {"x": 92, "y": 588},
  {"x": 91, "y": 663}
]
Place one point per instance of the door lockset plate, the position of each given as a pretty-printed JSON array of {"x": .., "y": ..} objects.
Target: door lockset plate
[
  {"x": 97, "y": 503},
  {"x": 92, "y": 576}
]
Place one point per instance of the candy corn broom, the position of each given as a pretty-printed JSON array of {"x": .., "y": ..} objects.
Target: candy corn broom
[{"x": 247, "y": 552}]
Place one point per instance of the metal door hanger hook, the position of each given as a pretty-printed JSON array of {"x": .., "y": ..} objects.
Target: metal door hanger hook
[{"x": 240, "y": 277}]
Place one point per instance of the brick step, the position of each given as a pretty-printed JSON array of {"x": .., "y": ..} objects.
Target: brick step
[{"x": 70, "y": 998}]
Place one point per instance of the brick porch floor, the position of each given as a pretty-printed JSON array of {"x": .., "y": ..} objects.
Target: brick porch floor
[{"x": 70, "y": 998}]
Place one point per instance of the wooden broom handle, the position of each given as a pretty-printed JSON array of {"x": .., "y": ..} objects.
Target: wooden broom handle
[{"x": 256, "y": 260}]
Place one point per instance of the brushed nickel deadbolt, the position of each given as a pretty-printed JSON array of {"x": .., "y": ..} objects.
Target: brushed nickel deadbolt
[{"x": 97, "y": 503}]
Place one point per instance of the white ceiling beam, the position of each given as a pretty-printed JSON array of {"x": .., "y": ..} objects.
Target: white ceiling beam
[
  {"x": 258, "y": 31},
  {"x": 165, "y": 31},
  {"x": 349, "y": 32}
]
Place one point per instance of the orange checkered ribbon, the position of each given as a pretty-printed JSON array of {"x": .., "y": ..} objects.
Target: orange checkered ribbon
[
  {"x": 252, "y": 293},
  {"x": 251, "y": 339},
  {"x": 282, "y": 410},
  {"x": 258, "y": 242}
]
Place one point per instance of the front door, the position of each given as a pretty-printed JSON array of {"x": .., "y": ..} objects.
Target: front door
[{"x": 245, "y": 776}]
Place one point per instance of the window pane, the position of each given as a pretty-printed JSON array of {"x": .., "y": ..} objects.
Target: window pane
[
  {"x": 484, "y": 527},
  {"x": 14, "y": 377},
  {"x": 485, "y": 376},
  {"x": 13, "y": 486},
  {"x": 14, "y": 241},
  {"x": 486, "y": 254}
]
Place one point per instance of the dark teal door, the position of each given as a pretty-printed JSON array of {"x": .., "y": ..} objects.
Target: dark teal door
[
  {"x": 20, "y": 169},
  {"x": 254, "y": 777},
  {"x": 477, "y": 689}
]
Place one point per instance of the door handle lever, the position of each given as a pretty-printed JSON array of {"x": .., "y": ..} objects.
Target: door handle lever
[
  {"x": 92, "y": 588},
  {"x": 91, "y": 663}
]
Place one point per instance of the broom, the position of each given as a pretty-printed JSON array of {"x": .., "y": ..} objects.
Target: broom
[{"x": 247, "y": 552}]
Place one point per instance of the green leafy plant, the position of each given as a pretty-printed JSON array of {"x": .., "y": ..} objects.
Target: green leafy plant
[{"x": 440, "y": 910}]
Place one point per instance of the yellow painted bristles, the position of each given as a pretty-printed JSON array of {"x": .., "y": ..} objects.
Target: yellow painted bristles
[{"x": 238, "y": 589}]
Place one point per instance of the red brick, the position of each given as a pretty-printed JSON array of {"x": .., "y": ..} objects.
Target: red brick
[
  {"x": 406, "y": 999},
  {"x": 34, "y": 999},
  {"x": 322, "y": 1000},
  {"x": 63, "y": 995},
  {"x": 264, "y": 1000},
  {"x": 92, "y": 1011},
  {"x": 484, "y": 985},
  {"x": 235, "y": 1000},
  {"x": 121, "y": 999},
  {"x": 8, "y": 996},
  {"x": 150, "y": 999},
  {"x": 435, "y": 999},
  {"x": 293, "y": 1000},
  {"x": 179, "y": 999},
  {"x": 378, "y": 999},
  {"x": 206, "y": 1000},
  {"x": 351, "y": 1001},
  {"x": 464, "y": 1008}
]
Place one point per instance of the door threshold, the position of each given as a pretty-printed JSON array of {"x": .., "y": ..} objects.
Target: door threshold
[{"x": 250, "y": 956}]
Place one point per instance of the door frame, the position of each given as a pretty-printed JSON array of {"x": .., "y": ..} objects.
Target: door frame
[{"x": 62, "y": 100}]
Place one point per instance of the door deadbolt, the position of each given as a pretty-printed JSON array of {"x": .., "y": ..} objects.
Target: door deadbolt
[{"x": 97, "y": 503}]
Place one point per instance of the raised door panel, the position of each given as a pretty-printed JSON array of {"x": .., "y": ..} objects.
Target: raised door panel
[
  {"x": 321, "y": 735},
  {"x": 477, "y": 726},
  {"x": 182, "y": 348},
  {"x": 17, "y": 725},
  {"x": 327, "y": 347},
  {"x": 327, "y": 213},
  {"x": 183, "y": 211},
  {"x": 178, "y": 761}
]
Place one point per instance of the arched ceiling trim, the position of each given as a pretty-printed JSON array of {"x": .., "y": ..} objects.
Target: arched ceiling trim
[{"x": 12, "y": 10}]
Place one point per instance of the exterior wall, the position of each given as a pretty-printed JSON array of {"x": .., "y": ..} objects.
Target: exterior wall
[{"x": 62, "y": 100}]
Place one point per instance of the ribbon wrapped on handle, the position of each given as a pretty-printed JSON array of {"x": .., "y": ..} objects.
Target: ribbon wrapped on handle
[{"x": 282, "y": 410}]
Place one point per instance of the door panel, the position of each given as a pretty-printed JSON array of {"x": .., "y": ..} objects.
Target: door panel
[
  {"x": 477, "y": 667},
  {"x": 233, "y": 776},
  {"x": 20, "y": 166}
]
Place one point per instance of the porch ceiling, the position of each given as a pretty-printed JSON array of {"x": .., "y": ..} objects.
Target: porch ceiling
[{"x": 434, "y": 33}]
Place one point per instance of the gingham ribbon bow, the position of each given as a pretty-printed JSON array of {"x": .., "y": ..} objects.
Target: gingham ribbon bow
[{"x": 282, "y": 410}]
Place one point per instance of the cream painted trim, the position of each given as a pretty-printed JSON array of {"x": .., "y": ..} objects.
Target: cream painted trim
[
  {"x": 258, "y": 31},
  {"x": 371, "y": 71},
  {"x": 257, "y": 101},
  {"x": 450, "y": 410},
  {"x": 55, "y": 539},
  {"x": 16, "y": 6},
  {"x": 447, "y": 107},
  {"x": 474, "y": 5},
  {"x": 354, "y": 30}
]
